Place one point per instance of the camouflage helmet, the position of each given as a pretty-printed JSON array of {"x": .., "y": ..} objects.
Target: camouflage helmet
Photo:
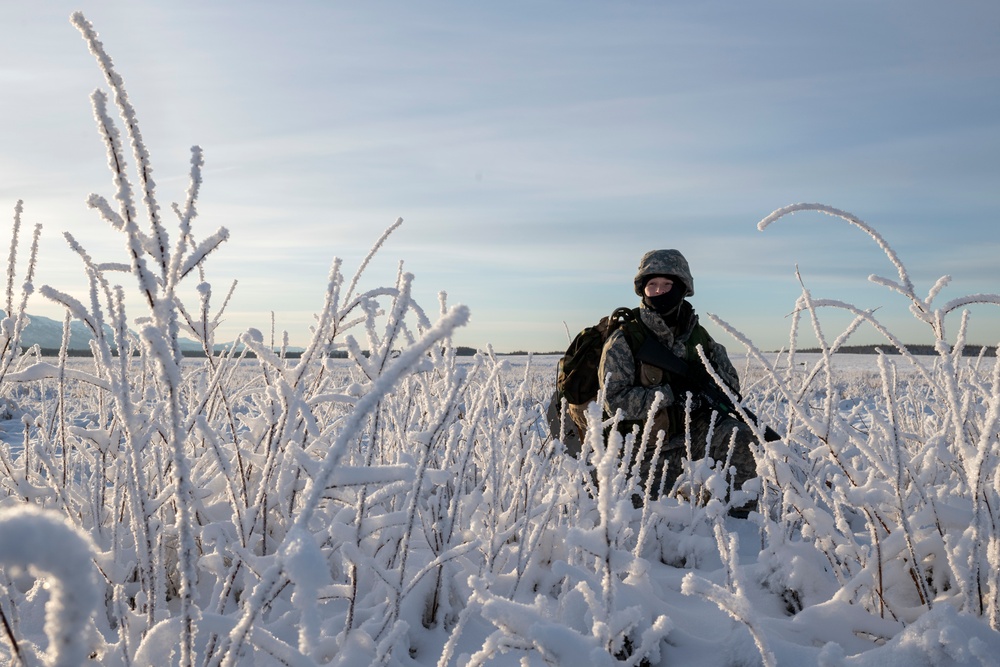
[{"x": 664, "y": 263}]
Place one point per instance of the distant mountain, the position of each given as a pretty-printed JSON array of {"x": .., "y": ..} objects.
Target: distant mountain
[{"x": 47, "y": 334}]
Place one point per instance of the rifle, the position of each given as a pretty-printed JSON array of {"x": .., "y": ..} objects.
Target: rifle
[{"x": 653, "y": 352}]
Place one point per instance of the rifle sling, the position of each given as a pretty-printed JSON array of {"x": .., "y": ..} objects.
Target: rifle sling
[{"x": 652, "y": 351}]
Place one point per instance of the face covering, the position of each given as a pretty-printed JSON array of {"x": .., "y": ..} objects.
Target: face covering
[{"x": 666, "y": 303}]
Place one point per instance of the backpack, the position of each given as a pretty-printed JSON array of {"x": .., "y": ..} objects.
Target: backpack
[
  {"x": 577, "y": 373},
  {"x": 577, "y": 378}
]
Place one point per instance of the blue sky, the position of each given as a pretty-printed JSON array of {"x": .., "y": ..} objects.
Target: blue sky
[{"x": 535, "y": 150}]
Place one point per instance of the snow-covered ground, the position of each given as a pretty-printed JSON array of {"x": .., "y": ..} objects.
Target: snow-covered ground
[{"x": 509, "y": 560}]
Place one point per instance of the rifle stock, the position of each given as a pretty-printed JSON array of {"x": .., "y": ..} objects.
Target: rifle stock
[{"x": 655, "y": 353}]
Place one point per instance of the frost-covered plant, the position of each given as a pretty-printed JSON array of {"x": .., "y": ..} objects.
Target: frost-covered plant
[
  {"x": 731, "y": 598},
  {"x": 894, "y": 494},
  {"x": 211, "y": 488},
  {"x": 47, "y": 544},
  {"x": 15, "y": 317}
]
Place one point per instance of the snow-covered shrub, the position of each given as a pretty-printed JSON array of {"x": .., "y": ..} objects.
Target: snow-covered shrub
[
  {"x": 15, "y": 317},
  {"x": 887, "y": 479},
  {"x": 210, "y": 488},
  {"x": 45, "y": 542}
]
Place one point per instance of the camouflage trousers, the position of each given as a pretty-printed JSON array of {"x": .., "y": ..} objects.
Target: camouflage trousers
[
  {"x": 668, "y": 466},
  {"x": 575, "y": 426}
]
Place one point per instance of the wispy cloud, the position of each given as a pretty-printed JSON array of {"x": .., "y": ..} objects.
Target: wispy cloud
[{"x": 535, "y": 151}]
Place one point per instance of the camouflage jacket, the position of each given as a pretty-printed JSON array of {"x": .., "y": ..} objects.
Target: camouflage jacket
[{"x": 631, "y": 387}]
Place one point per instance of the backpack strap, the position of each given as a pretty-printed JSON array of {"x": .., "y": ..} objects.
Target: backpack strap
[{"x": 630, "y": 322}]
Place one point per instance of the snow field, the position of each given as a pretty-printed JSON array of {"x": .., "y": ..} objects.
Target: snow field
[{"x": 478, "y": 541}]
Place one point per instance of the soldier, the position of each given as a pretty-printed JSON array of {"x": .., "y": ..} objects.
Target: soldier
[{"x": 663, "y": 282}]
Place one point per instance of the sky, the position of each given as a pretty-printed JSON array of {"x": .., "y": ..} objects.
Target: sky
[{"x": 535, "y": 150}]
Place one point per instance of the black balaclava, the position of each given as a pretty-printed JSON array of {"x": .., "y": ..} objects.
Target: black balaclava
[{"x": 666, "y": 304}]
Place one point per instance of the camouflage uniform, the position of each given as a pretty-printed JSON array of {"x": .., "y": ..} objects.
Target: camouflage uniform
[{"x": 631, "y": 388}]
